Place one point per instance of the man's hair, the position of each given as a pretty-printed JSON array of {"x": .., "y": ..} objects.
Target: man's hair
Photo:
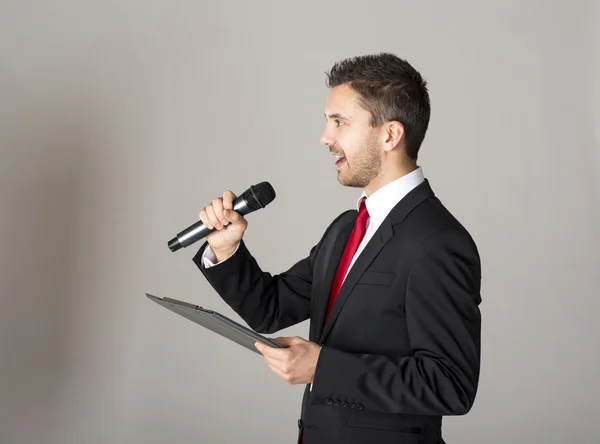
[{"x": 390, "y": 89}]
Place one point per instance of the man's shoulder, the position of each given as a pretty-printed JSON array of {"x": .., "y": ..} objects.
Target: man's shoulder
[
  {"x": 342, "y": 219},
  {"x": 432, "y": 217}
]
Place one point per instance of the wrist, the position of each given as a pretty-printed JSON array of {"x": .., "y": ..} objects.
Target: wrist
[{"x": 224, "y": 253}]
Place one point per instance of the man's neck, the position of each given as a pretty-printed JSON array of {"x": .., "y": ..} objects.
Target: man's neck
[{"x": 388, "y": 177}]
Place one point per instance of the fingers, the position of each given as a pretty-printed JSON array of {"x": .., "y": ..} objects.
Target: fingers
[
  {"x": 204, "y": 218},
  {"x": 217, "y": 207},
  {"x": 285, "y": 376},
  {"x": 279, "y": 354},
  {"x": 228, "y": 212},
  {"x": 282, "y": 366},
  {"x": 213, "y": 215},
  {"x": 212, "y": 218},
  {"x": 280, "y": 361},
  {"x": 228, "y": 198}
]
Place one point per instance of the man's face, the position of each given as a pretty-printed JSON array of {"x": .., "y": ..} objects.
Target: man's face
[{"x": 347, "y": 133}]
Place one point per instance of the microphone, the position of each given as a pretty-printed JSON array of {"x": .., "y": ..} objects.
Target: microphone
[{"x": 255, "y": 197}]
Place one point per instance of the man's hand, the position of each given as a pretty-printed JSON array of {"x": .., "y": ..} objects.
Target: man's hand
[
  {"x": 295, "y": 364},
  {"x": 229, "y": 224}
]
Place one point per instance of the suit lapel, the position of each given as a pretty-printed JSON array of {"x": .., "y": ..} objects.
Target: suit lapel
[
  {"x": 333, "y": 255},
  {"x": 376, "y": 243}
]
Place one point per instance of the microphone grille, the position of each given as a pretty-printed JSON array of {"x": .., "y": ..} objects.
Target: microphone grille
[{"x": 259, "y": 195}]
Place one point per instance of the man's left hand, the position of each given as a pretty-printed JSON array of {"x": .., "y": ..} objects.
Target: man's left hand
[{"x": 295, "y": 364}]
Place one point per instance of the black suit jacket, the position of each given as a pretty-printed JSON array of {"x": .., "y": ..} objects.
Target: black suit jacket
[{"x": 401, "y": 346}]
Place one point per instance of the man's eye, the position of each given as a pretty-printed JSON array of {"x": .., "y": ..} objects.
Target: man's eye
[{"x": 339, "y": 122}]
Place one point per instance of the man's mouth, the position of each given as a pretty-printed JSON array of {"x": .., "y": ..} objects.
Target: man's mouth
[{"x": 339, "y": 160}]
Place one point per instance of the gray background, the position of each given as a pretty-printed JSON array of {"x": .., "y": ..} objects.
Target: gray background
[{"x": 120, "y": 120}]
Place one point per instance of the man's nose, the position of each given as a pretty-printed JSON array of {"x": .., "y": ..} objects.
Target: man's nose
[{"x": 326, "y": 139}]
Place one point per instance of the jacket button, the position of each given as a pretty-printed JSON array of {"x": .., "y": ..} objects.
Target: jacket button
[
  {"x": 336, "y": 402},
  {"x": 344, "y": 404},
  {"x": 299, "y": 423},
  {"x": 329, "y": 401}
]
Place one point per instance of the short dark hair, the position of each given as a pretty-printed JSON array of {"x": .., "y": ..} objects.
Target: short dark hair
[{"x": 390, "y": 89}]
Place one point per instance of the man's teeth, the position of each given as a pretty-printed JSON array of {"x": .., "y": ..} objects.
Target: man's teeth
[{"x": 338, "y": 157}]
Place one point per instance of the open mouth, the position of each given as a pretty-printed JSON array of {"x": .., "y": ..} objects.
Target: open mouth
[{"x": 340, "y": 160}]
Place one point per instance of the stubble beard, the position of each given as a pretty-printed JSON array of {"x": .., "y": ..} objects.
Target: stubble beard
[{"x": 363, "y": 167}]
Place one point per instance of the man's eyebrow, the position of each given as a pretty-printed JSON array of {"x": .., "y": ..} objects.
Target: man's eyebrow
[{"x": 336, "y": 116}]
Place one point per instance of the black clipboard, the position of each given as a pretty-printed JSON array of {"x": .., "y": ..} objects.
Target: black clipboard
[{"x": 216, "y": 322}]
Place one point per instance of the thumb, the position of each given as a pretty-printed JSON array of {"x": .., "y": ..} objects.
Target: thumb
[
  {"x": 288, "y": 341},
  {"x": 234, "y": 217},
  {"x": 231, "y": 215}
]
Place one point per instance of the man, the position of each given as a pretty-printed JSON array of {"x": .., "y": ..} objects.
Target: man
[{"x": 398, "y": 344}]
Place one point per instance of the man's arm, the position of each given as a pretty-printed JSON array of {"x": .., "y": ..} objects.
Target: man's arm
[
  {"x": 266, "y": 302},
  {"x": 444, "y": 322}
]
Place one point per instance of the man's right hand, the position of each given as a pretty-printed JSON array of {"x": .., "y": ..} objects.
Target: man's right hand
[{"x": 230, "y": 225}]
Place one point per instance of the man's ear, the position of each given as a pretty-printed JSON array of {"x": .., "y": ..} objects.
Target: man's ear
[{"x": 394, "y": 134}]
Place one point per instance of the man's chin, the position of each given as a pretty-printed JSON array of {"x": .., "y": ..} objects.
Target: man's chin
[{"x": 348, "y": 182}]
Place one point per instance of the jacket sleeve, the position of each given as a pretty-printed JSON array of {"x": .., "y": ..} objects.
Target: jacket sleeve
[
  {"x": 440, "y": 377},
  {"x": 268, "y": 303}
]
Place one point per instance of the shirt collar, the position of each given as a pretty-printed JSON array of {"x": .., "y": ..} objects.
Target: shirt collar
[{"x": 381, "y": 202}]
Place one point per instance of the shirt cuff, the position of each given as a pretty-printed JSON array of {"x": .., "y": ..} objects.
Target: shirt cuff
[{"x": 209, "y": 259}]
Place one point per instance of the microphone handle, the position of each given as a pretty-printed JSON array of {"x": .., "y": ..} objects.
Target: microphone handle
[{"x": 197, "y": 231}]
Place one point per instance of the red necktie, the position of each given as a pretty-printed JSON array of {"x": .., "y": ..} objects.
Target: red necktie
[{"x": 360, "y": 226}]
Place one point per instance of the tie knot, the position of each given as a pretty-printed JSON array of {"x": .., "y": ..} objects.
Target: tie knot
[{"x": 362, "y": 209}]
